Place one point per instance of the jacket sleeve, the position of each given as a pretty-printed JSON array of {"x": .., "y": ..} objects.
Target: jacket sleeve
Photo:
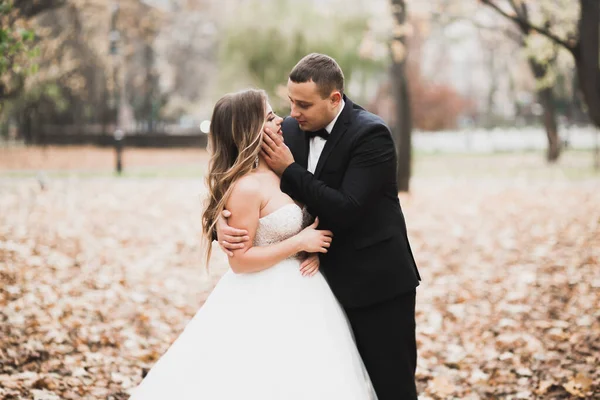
[{"x": 372, "y": 164}]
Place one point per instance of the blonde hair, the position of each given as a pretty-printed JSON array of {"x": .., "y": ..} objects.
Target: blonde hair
[{"x": 235, "y": 140}]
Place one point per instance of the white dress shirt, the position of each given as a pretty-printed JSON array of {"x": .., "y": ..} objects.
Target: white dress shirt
[{"x": 317, "y": 143}]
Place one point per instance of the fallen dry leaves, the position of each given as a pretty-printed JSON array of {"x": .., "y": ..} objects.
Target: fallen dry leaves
[
  {"x": 99, "y": 276},
  {"x": 510, "y": 303}
]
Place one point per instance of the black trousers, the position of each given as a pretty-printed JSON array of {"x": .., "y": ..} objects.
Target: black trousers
[{"x": 385, "y": 337}]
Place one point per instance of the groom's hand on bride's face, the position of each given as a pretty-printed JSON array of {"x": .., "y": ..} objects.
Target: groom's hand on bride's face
[
  {"x": 277, "y": 155},
  {"x": 230, "y": 238}
]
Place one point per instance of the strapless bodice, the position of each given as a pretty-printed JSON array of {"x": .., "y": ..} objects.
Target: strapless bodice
[{"x": 281, "y": 224}]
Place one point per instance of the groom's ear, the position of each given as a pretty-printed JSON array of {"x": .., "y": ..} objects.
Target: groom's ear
[{"x": 335, "y": 98}]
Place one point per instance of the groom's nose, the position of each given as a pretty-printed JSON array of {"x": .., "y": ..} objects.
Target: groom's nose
[{"x": 294, "y": 112}]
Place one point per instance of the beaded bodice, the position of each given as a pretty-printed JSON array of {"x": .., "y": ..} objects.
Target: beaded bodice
[{"x": 281, "y": 224}]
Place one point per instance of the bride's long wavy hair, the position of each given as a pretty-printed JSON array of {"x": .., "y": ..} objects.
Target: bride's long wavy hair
[{"x": 235, "y": 140}]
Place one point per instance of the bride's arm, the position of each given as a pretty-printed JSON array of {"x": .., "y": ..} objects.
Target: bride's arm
[{"x": 245, "y": 205}]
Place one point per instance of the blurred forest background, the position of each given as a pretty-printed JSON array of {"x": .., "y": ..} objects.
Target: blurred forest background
[
  {"x": 494, "y": 106},
  {"x": 85, "y": 68}
]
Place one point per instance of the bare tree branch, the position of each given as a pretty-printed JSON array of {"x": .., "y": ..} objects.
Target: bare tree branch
[
  {"x": 515, "y": 7},
  {"x": 509, "y": 33},
  {"x": 522, "y": 22},
  {"x": 522, "y": 12}
]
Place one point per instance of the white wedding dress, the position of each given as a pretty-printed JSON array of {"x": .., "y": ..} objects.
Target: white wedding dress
[{"x": 270, "y": 335}]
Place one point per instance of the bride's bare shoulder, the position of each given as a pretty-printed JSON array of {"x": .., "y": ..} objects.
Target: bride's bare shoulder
[{"x": 247, "y": 187}]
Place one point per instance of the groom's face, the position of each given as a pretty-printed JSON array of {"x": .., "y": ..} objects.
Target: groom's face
[{"x": 308, "y": 107}]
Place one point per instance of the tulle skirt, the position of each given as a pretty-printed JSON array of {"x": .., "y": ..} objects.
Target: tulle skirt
[{"x": 268, "y": 335}]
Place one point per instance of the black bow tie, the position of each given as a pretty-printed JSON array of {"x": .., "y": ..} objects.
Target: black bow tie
[{"x": 321, "y": 133}]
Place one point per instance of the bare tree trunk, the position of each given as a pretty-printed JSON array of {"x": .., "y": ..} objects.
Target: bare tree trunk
[
  {"x": 545, "y": 95},
  {"x": 402, "y": 128},
  {"x": 147, "y": 114},
  {"x": 597, "y": 151},
  {"x": 587, "y": 57},
  {"x": 546, "y": 98}
]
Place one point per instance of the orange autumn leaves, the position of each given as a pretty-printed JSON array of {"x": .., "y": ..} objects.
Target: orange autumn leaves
[{"x": 98, "y": 277}]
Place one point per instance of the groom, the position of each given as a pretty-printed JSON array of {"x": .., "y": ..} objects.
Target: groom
[{"x": 339, "y": 160}]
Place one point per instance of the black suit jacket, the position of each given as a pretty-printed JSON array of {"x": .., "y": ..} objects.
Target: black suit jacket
[{"x": 355, "y": 194}]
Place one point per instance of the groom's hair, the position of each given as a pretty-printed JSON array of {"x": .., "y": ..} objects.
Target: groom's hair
[{"x": 323, "y": 70}]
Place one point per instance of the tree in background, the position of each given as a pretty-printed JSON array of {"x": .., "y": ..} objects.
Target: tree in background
[
  {"x": 545, "y": 60},
  {"x": 435, "y": 105},
  {"x": 133, "y": 63},
  {"x": 554, "y": 21},
  {"x": 186, "y": 58},
  {"x": 17, "y": 43},
  {"x": 262, "y": 52},
  {"x": 402, "y": 127},
  {"x": 75, "y": 83},
  {"x": 432, "y": 106},
  {"x": 544, "y": 66}
]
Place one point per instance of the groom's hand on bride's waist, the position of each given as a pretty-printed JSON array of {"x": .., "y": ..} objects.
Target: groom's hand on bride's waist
[
  {"x": 230, "y": 238},
  {"x": 275, "y": 152},
  {"x": 310, "y": 265}
]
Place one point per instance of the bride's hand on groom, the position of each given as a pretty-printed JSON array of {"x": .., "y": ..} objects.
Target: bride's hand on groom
[
  {"x": 312, "y": 240},
  {"x": 230, "y": 238},
  {"x": 275, "y": 152}
]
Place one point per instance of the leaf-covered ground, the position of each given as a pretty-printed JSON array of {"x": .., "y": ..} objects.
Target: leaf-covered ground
[{"x": 99, "y": 275}]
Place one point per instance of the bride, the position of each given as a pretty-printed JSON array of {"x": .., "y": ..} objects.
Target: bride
[{"x": 271, "y": 329}]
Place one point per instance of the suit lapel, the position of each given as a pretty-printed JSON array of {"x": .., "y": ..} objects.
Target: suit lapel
[
  {"x": 340, "y": 127},
  {"x": 300, "y": 148},
  {"x": 304, "y": 147},
  {"x": 297, "y": 141}
]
